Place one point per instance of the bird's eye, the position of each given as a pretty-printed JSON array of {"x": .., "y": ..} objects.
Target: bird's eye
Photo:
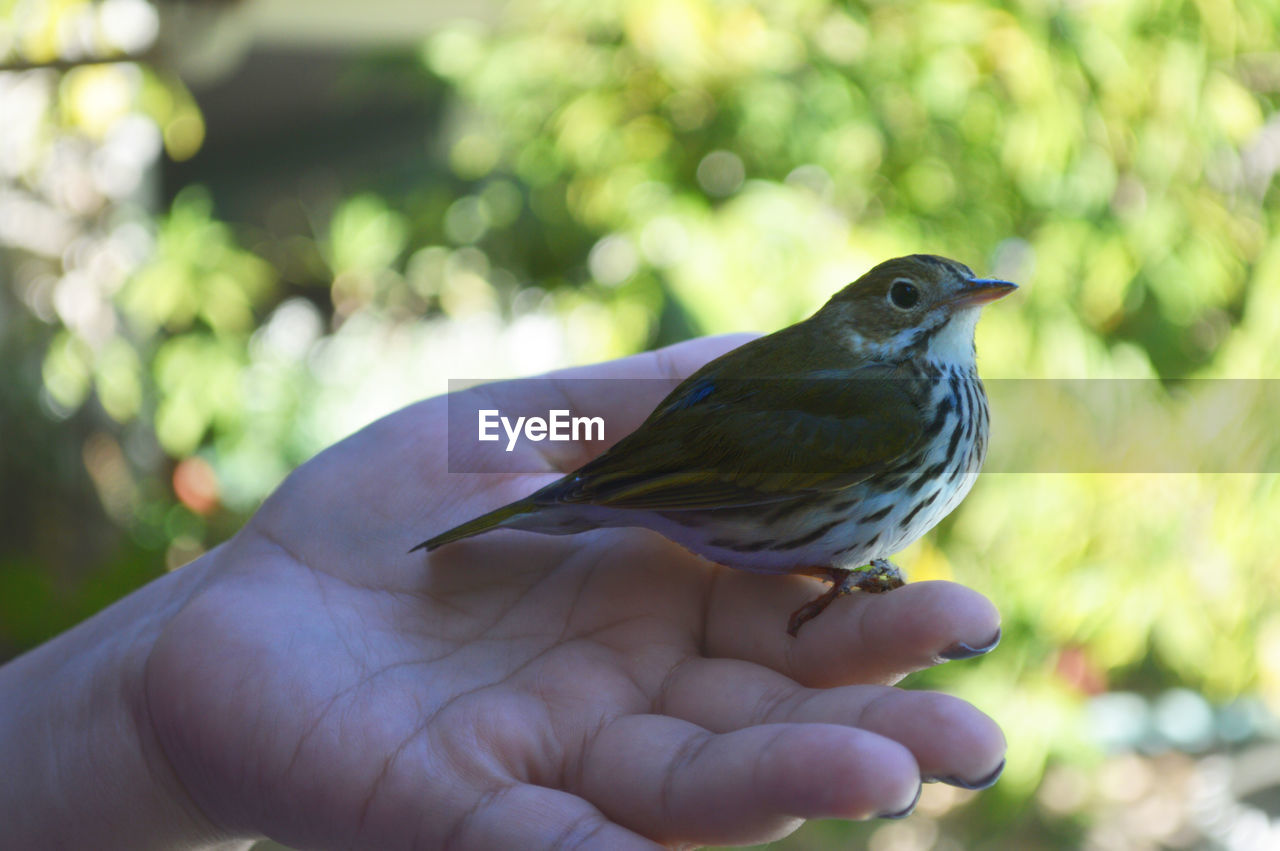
[{"x": 903, "y": 295}]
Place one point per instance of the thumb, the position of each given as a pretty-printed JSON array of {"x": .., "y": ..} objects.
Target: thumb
[{"x": 608, "y": 401}]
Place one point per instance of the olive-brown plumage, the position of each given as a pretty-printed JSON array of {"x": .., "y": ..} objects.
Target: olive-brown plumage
[{"x": 818, "y": 449}]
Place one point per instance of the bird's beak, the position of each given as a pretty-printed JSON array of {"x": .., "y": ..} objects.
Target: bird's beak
[{"x": 982, "y": 290}]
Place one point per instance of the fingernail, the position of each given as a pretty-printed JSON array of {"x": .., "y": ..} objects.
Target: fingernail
[
  {"x": 975, "y": 785},
  {"x": 961, "y": 650},
  {"x": 911, "y": 807}
]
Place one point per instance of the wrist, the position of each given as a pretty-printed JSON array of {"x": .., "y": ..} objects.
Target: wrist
[{"x": 85, "y": 768}]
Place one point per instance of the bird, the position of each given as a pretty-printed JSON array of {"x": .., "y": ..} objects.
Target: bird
[{"x": 819, "y": 450}]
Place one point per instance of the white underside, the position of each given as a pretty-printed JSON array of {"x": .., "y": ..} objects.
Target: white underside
[{"x": 833, "y": 548}]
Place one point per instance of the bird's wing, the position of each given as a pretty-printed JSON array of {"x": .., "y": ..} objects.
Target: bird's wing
[{"x": 716, "y": 443}]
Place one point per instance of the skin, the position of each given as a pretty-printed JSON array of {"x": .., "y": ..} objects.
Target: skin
[{"x": 311, "y": 682}]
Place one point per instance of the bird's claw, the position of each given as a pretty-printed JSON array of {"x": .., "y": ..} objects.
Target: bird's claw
[{"x": 880, "y": 576}]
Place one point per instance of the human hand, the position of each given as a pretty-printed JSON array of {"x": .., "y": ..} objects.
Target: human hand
[{"x": 608, "y": 689}]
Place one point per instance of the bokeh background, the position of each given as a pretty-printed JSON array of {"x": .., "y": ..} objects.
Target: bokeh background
[{"x": 233, "y": 232}]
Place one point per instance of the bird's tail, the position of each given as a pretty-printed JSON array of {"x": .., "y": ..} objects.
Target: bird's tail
[{"x": 483, "y": 523}]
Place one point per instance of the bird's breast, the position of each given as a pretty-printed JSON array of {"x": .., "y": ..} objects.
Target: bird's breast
[
  {"x": 927, "y": 486},
  {"x": 872, "y": 519}
]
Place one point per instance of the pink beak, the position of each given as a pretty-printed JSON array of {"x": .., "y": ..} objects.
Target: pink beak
[{"x": 982, "y": 290}]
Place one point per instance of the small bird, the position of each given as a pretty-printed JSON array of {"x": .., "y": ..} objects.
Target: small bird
[{"x": 818, "y": 450}]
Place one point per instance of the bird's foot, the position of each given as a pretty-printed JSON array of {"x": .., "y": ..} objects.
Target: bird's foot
[
  {"x": 880, "y": 576},
  {"x": 840, "y": 585}
]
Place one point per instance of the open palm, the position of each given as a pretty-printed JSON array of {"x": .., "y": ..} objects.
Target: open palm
[{"x": 608, "y": 689}]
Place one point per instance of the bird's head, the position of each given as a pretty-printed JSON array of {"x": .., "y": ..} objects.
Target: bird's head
[{"x": 915, "y": 306}]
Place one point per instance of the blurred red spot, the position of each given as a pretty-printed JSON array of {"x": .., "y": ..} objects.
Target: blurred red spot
[
  {"x": 196, "y": 485},
  {"x": 1080, "y": 672}
]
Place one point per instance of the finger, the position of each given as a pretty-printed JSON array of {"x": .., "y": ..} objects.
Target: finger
[
  {"x": 535, "y": 817},
  {"x": 861, "y": 638},
  {"x": 621, "y": 392},
  {"x": 387, "y": 463},
  {"x": 674, "y": 362},
  {"x": 949, "y": 738},
  {"x": 677, "y": 782}
]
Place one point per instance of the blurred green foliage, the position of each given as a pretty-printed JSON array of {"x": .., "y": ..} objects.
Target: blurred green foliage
[{"x": 611, "y": 176}]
